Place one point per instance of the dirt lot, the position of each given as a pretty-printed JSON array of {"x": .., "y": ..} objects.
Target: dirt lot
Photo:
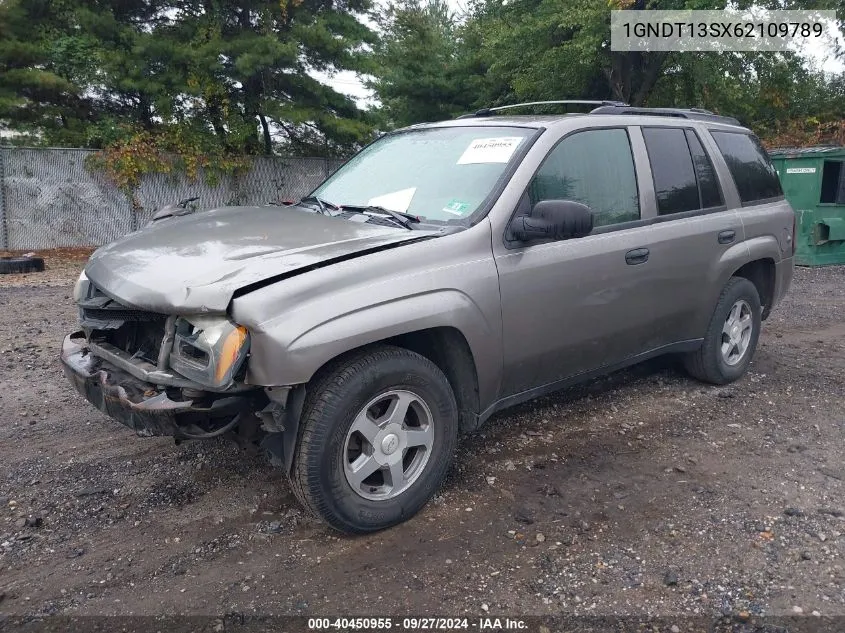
[{"x": 645, "y": 493}]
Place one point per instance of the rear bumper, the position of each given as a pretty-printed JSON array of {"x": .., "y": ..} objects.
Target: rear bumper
[{"x": 143, "y": 407}]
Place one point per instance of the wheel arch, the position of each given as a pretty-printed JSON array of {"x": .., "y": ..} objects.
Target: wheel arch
[
  {"x": 761, "y": 273},
  {"x": 445, "y": 346},
  {"x": 448, "y": 349}
]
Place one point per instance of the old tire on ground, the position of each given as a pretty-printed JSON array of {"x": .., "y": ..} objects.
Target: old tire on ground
[
  {"x": 10, "y": 265},
  {"x": 377, "y": 436},
  {"x": 731, "y": 336}
]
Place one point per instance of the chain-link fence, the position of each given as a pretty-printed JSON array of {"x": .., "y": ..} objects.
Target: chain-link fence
[{"x": 50, "y": 199}]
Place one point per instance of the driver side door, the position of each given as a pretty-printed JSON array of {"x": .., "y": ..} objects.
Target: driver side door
[{"x": 577, "y": 305}]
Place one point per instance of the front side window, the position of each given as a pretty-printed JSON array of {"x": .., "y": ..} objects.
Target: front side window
[
  {"x": 439, "y": 174},
  {"x": 595, "y": 168},
  {"x": 752, "y": 171}
]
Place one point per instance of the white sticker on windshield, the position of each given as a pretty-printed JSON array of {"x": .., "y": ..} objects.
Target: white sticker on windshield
[
  {"x": 395, "y": 201},
  {"x": 490, "y": 150}
]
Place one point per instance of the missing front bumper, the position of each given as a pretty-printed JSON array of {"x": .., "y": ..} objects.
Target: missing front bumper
[{"x": 142, "y": 406}]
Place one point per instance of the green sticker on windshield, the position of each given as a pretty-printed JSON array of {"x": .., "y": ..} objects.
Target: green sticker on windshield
[{"x": 456, "y": 207}]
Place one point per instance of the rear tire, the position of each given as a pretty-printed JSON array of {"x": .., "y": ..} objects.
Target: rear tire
[
  {"x": 377, "y": 436},
  {"x": 731, "y": 337}
]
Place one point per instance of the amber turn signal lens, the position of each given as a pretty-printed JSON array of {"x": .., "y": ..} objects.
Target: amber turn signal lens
[{"x": 231, "y": 348}]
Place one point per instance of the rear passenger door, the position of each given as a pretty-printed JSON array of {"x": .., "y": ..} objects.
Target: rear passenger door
[{"x": 691, "y": 230}]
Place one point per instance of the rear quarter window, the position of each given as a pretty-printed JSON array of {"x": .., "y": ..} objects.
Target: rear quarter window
[{"x": 753, "y": 173}]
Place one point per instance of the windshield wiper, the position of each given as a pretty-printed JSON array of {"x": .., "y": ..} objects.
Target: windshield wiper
[
  {"x": 323, "y": 205},
  {"x": 403, "y": 219}
]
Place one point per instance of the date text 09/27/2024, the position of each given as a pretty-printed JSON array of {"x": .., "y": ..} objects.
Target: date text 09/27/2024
[{"x": 416, "y": 624}]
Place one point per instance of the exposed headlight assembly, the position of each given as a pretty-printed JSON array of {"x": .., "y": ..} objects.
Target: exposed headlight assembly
[
  {"x": 209, "y": 350},
  {"x": 80, "y": 288}
]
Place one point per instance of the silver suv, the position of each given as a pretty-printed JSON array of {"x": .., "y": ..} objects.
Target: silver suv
[{"x": 446, "y": 272}]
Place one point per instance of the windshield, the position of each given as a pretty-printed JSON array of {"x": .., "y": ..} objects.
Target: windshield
[{"x": 438, "y": 174}]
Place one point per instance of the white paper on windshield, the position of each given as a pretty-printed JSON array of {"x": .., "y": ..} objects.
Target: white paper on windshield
[
  {"x": 490, "y": 150},
  {"x": 396, "y": 200}
]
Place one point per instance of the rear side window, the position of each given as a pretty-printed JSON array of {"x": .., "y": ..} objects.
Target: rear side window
[
  {"x": 672, "y": 170},
  {"x": 752, "y": 171}
]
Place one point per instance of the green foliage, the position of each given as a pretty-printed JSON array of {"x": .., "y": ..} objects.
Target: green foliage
[
  {"x": 33, "y": 95},
  {"x": 207, "y": 80},
  {"x": 421, "y": 71},
  {"x": 431, "y": 65},
  {"x": 213, "y": 78},
  {"x": 138, "y": 152}
]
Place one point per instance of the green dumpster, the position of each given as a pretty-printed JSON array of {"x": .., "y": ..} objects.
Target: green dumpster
[{"x": 813, "y": 180}]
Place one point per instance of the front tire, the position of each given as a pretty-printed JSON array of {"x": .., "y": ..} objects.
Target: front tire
[
  {"x": 731, "y": 337},
  {"x": 376, "y": 439}
]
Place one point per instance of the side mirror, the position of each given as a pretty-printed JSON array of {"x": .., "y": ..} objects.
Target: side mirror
[{"x": 555, "y": 219}]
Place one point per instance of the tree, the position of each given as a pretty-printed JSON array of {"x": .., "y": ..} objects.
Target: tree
[
  {"x": 421, "y": 64},
  {"x": 249, "y": 68},
  {"x": 211, "y": 78},
  {"x": 33, "y": 94},
  {"x": 508, "y": 51},
  {"x": 225, "y": 74}
]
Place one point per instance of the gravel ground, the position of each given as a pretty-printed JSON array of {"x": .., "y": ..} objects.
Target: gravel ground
[{"x": 643, "y": 493}]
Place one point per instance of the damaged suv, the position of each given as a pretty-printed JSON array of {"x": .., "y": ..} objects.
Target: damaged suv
[{"x": 444, "y": 273}]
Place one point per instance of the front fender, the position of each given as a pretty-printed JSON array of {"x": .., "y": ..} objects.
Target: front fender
[
  {"x": 279, "y": 358},
  {"x": 301, "y": 323}
]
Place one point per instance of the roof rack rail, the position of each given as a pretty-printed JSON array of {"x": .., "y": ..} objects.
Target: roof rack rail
[
  {"x": 490, "y": 111},
  {"x": 685, "y": 113}
]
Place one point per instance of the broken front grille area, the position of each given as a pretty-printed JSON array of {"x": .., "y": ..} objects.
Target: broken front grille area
[
  {"x": 137, "y": 332},
  {"x": 141, "y": 343}
]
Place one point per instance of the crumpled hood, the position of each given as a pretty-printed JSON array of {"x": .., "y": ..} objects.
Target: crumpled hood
[{"x": 194, "y": 263}]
